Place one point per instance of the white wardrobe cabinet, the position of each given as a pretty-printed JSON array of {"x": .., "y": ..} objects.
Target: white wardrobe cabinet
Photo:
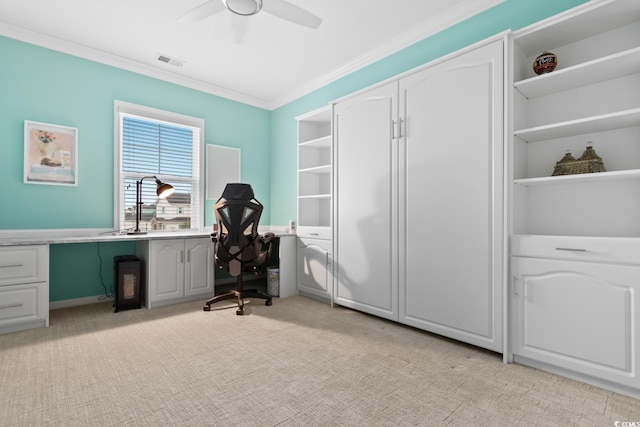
[
  {"x": 451, "y": 214},
  {"x": 366, "y": 171},
  {"x": 420, "y": 198},
  {"x": 177, "y": 270}
]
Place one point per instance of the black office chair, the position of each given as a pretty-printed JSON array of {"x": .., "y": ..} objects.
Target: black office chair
[{"x": 238, "y": 246}]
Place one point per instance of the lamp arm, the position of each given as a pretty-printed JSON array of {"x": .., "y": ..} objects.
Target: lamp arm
[
  {"x": 138, "y": 204},
  {"x": 139, "y": 199}
]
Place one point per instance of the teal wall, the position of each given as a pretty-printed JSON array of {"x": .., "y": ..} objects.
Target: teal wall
[
  {"x": 46, "y": 86},
  {"x": 42, "y": 85},
  {"x": 511, "y": 14}
]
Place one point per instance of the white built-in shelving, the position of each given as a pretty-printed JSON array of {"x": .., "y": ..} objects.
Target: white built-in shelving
[
  {"x": 592, "y": 96},
  {"x": 575, "y": 238},
  {"x": 314, "y": 174}
]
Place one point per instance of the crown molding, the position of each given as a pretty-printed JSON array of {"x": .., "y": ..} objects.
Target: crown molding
[
  {"x": 437, "y": 23},
  {"x": 76, "y": 49},
  {"x": 434, "y": 25}
]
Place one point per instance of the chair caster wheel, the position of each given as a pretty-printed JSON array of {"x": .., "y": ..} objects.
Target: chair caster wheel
[
  {"x": 207, "y": 308},
  {"x": 239, "y": 312},
  {"x": 268, "y": 302}
]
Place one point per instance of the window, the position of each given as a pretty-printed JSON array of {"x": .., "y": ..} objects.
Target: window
[{"x": 167, "y": 145}]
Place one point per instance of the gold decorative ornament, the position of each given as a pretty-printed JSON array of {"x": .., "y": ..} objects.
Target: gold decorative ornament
[{"x": 589, "y": 162}]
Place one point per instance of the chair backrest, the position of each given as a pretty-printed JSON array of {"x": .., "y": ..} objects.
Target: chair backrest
[{"x": 237, "y": 215}]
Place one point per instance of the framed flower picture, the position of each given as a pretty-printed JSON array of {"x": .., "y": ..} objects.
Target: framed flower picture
[{"x": 50, "y": 154}]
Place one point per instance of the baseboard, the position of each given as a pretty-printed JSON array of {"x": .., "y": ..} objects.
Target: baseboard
[{"x": 55, "y": 305}]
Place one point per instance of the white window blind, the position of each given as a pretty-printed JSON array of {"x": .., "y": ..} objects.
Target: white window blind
[{"x": 167, "y": 146}]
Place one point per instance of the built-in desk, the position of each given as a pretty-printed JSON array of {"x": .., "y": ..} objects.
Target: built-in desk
[{"x": 24, "y": 268}]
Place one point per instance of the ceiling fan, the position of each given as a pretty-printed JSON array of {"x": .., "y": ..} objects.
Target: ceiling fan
[{"x": 280, "y": 8}]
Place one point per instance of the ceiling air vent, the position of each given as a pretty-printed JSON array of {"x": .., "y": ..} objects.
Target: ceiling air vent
[{"x": 169, "y": 60}]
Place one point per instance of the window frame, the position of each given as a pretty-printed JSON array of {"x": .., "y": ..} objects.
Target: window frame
[{"x": 121, "y": 107}]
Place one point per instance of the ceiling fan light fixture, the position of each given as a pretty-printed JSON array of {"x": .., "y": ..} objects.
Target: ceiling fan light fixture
[{"x": 243, "y": 7}]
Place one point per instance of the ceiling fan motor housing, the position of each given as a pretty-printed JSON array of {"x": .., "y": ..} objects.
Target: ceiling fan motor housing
[{"x": 243, "y": 7}]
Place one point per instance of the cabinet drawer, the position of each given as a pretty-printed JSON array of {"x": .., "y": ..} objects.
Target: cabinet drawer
[
  {"x": 592, "y": 249},
  {"x": 24, "y": 264},
  {"x": 24, "y": 304},
  {"x": 323, "y": 233}
]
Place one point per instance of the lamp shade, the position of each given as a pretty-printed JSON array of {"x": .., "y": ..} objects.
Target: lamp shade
[{"x": 164, "y": 190}]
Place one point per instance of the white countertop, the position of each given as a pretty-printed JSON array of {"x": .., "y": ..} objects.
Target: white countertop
[{"x": 45, "y": 237}]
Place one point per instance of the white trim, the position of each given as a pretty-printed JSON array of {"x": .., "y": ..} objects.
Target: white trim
[
  {"x": 75, "y": 49},
  {"x": 55, "y": 305},
  {"x": 436, "y": 24},
  {"x": 121, "y": 107},
  {"x": 496, "y": 37},
  {"x": 57, "y": 232},
  {"x": 433, "y": 26},
  {"x": 560, "y": 17}
]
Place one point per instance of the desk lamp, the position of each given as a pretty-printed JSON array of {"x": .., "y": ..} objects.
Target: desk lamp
[{"x": 162, "y": 190}]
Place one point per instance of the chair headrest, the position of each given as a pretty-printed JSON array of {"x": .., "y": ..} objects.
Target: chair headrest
[{"x": 237, "y": 191}]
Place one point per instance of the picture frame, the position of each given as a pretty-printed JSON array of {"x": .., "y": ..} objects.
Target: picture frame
[{"x": 50, "y": 154}]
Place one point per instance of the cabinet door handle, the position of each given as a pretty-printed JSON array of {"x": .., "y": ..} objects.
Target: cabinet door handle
[
  {"x": 11, "y": 265},
  {"x": 314, "y": 234},
  {"x": 2, "y": 307},
  {"x": 182, "y": 257},
  {"x": 571, "y": 249},
  {"x": 189, "y": 255}
]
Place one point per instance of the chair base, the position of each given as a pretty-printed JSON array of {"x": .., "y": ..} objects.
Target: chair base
[{"x": 239, "y": 296}]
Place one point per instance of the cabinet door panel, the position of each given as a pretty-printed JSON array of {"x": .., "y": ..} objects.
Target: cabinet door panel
[
  {"x": 168, "y": 269},
  {"x": 579, "y": 316},
  {"x": 313, "y": 265},
  {"x": 366, "y": 170},
  {"x": 451, "y": 233},
  {"x": 198, "y": 277}
]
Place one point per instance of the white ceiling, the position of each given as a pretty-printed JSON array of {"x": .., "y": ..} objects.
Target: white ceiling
[{"x": 276, "y": 61}]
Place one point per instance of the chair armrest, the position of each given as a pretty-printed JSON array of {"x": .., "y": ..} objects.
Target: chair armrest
[{"x": 267, "y": 237}]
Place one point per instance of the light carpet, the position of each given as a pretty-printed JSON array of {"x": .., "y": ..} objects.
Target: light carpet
[{"x": 296, "y": 363}]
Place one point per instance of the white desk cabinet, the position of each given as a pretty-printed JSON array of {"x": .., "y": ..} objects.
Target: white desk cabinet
[
  {"x": 177, "y": 270},
  {"x": 574, "y": 314},
  {"x": 24, "y": 287},
  {"x": 314, "y": 267}
]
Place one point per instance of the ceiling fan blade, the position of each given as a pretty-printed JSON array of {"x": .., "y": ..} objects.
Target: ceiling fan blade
[
  {"x": 205, "y": 10},
  {"x": 239, "y": 28},
  {"x": 222, "y": 26},
  {"x": 292, "y": 13}
]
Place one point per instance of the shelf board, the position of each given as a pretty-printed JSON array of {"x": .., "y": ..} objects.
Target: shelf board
[
  {"x": 322, "y": 142},
  {"x": 580, "y": 178},
  {"x": 617, "y": 120},
  {"x": 317, "y": 170},
  {"x": 316, "y": 197},
  {"x": 607, "y": 68}
]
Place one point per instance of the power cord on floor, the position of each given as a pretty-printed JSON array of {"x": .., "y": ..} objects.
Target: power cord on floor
[{"x": 106, "y": 295}]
